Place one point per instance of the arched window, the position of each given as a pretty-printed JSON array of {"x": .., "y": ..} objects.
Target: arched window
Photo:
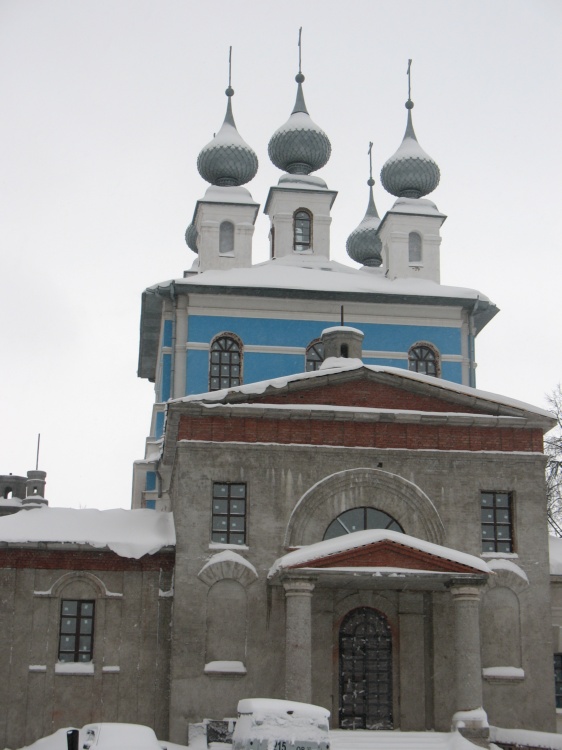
[
  {"x": 314, "y": 355},
  {"x": 225, "y": 362},
  {"x": 424, "y": 358},
  {"x": 226, "y": 238},
  {"x": 414, "y": 248},
  {"x": 302, "y": 230},
  {"x": 359, "y": 519}
]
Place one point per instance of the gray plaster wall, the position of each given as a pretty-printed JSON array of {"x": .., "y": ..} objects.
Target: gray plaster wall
[
  {"x": 131, "y": 632},
  {"x": 277, "y": 477}
]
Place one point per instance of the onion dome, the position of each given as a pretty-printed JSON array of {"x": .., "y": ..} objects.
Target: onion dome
[
  {"x": 364, "y": 244},
  {"x": 227, "y": 160},
  {"x": 191, "y": 235},
  {"x": 410, "y": 172},
  {"x": 299, "y": 146}
]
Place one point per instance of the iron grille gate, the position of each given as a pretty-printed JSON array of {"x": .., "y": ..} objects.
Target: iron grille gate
[{"x": 365, "y": 671}]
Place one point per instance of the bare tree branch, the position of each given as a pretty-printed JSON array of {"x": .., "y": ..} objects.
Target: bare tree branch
[{"x": 553, "y": 450}]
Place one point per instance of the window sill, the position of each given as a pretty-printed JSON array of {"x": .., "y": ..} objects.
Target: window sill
[
  {"x": 503, "y": 674},
  {"x": 74, "y": 667},
  {"x": 225, "y": 668},
  {"x": 512, "y": 555}
]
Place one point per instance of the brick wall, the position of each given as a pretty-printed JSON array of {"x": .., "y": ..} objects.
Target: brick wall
[
  {"x": 23, "y": 557},
  {"x": 361, "y": 434}
]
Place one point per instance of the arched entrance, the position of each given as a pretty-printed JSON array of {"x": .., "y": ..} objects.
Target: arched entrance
[{"x": 365, "y": 670}]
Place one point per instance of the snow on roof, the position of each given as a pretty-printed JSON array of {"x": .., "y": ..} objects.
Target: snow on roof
[
  {"x": 371, "y": 536},
  {"x": 128, "y": 533},
  {"x": 231, "y": 194},
  {"x": 313, "y": 273},
  {"x": 555, "y": 549},
  {"x": 258, "y": 388}
]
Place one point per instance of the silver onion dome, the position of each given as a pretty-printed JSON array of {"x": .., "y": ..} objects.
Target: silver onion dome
[
  {"x": 299, "y": 146},
  {"x": 410, "y": 172},
  {"x": 227, "y": 160},
  {"x": 191, "y": 235},
  {"x": 364, "y": 244}
]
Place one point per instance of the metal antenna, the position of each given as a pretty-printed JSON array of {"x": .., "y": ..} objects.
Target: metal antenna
[
  {"x": 409, "y": 80},
  {"x": 38, "y": 444},
  {"x": 230, "y": 67},
  {"x": 300, "y": 50}
]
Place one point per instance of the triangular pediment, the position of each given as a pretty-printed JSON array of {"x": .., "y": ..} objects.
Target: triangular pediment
[
  {"x": 380, "y": 549},
  {"x": 389, "y": 554}
]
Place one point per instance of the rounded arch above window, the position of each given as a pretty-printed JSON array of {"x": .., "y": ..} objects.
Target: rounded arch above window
[
  {"x": 314, "y": 355},
  {"x": 302, "y": 230},
  {"x": 226, "y": 238},
  {"x": 360, "y": 519},
  {"x": 225, "y": 361},
  {"x": 423, "y": 357}
]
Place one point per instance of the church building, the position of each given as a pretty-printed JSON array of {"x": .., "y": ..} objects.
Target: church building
[{"x": 328, "y": 509}]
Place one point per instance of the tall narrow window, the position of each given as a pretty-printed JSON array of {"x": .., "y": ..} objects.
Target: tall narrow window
[
  {"x": 414, "y": 248},
  {"x": 497, "y": 521},
  {"x": 558, "y": 679},
  {"x": 302, "y": 223},
  {"x": 76, "y": 642},
  {"x": 424, "y": 358},
  {"x": 229, "y": 513},
  {"x": 226, "y": 238},
  {"x": 314, "y": 355},
  {"x": 225, "y": 366}
]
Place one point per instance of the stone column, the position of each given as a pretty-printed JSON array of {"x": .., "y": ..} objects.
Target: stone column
[
  {"x": 469, "y": 715},
  {"x": 298, "y": 639},
  {"x": 412, "y": 662}
]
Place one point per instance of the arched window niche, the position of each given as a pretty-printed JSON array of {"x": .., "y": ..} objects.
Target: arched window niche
[
  {"x": 226, "y": 238},
  {"x": 415, "y": 256},
  {"x": 360, "y": 519},
  {"x": 423, "y": 357},
  {"x": 225, "y": 362},
  {"x": 302, "y": 230}
]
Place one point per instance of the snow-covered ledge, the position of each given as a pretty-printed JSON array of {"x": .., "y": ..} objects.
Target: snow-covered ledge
[
  {"x": 225, "y": 667},
  {"x": 74, "y": 667},
  {"x": 503, "y": 674}
]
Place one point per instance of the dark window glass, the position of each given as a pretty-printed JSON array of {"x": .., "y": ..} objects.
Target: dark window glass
[
  {"x": 76, "y": 639},
  {"x": 314, "y": 355},
  {"x": 359, "y": 519},
  {"x": 414, "y": 248},
  {"x": 229, "y": 513},
  {"x": 225, "y": 363},
  {"x": 558, "y": 679},
  {"x": 424, "y": 359},
  {"x": 497, "y": 523},
  {"x": 302, "y": 230}
]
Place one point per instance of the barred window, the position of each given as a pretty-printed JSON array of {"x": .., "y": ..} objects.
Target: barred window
[
  {"x": 302, "y": 227},
  {"x": 225, "y": 365},
  {"x": 424, "y": 358},
  {"x": 229, "y": 513},
  {"x": 314, "y": 355},
  {"x": 76, "y": 641},
  {"x": 497, "y": 522}
]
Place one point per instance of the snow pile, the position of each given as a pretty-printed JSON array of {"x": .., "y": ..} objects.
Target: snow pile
[
  {"x": 229, "y": 556},
  {"x": 503, "y": 564},
  {"x": 526, "y": 737},
  {"x": 273, "y": 720},
  {"x": 128, "y": 533},
  {"x": 505, "y": 673},
  {"x": 555, "y": 548},
  {"x": 358, "y": 539}
]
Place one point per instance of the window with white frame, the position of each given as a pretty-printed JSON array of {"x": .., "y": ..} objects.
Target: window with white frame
[{"x": 424, "y": 357}]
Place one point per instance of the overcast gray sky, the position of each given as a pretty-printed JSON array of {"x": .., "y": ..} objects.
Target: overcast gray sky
[{"x": 105, "y": 105}]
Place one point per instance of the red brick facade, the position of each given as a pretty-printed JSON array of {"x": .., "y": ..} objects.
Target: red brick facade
[
  {"x": 60, "y": 559},
  {"x": 358, "y": 434}
]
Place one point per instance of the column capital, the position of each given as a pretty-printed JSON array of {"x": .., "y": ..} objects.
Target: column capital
[{"x": 299, "y": 586}]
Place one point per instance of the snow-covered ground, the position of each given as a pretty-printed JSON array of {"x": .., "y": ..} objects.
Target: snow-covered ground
[{"x": 362, "y": 740}]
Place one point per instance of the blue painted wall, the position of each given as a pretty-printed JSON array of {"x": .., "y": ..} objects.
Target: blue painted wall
[{"x": 273, "y": 332}]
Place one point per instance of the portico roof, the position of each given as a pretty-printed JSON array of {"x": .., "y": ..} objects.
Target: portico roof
[{"x": 394, "y": 559}]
